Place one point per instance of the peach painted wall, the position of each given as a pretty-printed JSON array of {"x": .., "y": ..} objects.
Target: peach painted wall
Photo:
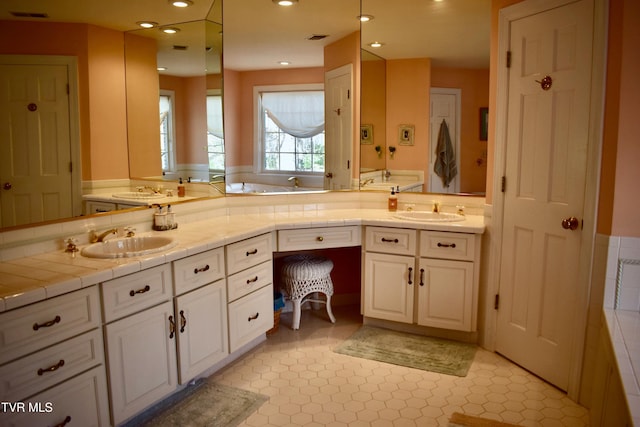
[
  {"x": 474, "y": 84},
  {"x": 143, "y": 129},
  {"x": 101, "y": 73},
  {"x": 619, "y": 203},
  {"x": 238, "y": 85},
  {"x": 408, "y": 84},
  {"x": 374, "y": 112}
]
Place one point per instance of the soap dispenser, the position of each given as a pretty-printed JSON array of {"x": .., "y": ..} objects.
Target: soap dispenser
[
  {"x": 181, "y": 190},
  {"x": 393, "y": 201}
]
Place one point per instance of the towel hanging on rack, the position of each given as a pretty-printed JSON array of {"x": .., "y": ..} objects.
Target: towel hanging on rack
[{"x": 445, "y": 164}]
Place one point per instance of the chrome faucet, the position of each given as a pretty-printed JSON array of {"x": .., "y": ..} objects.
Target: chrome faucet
[
  {"x": 296, "y": 181},
  {"x": 367, "y": 181},
  {"x": 102, "y": 236}
]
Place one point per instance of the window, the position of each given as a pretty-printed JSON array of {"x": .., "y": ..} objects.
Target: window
[
  {"x": 292, "y": 131},
  {"x": 215, "y": 134},
  {"x": 167, "y": 133}
]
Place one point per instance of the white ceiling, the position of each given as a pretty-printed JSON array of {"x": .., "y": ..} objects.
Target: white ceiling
[{"x": 258, "y": 34}]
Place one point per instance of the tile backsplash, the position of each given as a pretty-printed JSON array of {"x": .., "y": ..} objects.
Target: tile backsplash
[{"x": 622, "y": 286}]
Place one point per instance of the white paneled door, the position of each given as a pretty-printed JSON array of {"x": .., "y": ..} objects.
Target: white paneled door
[
  {"x": 338, "y": 128},
  {"x": 546, "y": 160},
  {"x": 35, "y": 151}
]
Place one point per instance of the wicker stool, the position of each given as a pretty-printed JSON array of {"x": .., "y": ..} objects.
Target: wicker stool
[{"x": 307, "y": 274}]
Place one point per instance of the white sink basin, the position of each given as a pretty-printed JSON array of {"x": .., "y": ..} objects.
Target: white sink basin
[
  {"x": 137, "y": 195},
  {"x": 427, "y": 216},
  {"x": 129, "y": 247}
]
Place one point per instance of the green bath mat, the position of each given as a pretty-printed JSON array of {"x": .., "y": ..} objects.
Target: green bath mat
[
  {"x": 414, "y": 351},
  {"x": 205, "y": 404}
]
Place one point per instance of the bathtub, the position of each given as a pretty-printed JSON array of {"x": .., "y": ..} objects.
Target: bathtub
[{"x": 252, "y": 187}]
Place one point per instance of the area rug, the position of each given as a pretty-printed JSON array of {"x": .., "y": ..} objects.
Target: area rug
[
  {"x": 205, "y": 404},
  {"x": 414, "y": 351},
  {"x": 462, "y": 420}
]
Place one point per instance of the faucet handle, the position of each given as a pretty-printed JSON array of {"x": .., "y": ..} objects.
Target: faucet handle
[
  {"x": 71, "y": 245},
  {"x": 460, "y": 209},
  {"x": 130, "y": 231}
]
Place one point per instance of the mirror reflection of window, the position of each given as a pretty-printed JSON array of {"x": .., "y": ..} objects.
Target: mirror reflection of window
[
  {"x": 167, "y": 131},
  {"x": 215, "y": 134},
  {"x": 292, "y": 131}
]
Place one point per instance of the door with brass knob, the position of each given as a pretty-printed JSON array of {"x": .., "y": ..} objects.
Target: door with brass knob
[{"x": 571, "y": 223}]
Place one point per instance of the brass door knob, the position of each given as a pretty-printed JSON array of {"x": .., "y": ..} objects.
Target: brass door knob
[
  {"x": 570, "y": 223},
  {"x": 7, "y": 186}
]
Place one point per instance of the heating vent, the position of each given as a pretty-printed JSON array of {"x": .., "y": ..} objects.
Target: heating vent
[
  {"x": 318, "y": 37},
  {"x": 178, "y": 47},
  {"x": 29, "y": 15}
]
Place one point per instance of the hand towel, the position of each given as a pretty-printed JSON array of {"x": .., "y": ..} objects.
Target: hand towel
[{"x": 445, "y": 164}]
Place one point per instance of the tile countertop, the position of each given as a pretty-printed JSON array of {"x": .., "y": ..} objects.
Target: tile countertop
[
  {"x": 37, "y": 277},
  {"x": 624, "y": 331}
]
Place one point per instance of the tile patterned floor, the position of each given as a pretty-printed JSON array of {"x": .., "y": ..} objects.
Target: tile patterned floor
[{"x": 310, "y": 385}]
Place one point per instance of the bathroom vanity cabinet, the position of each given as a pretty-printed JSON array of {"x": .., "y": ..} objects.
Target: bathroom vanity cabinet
[{"x": 422, "y": 277}]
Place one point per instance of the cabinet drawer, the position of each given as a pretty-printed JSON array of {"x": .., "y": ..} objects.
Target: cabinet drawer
[
  {"x": 434, "y": 244},
  {"x": 82, "y": 399},
  {"x": 250, "y": 317},
  {"x": 198, "y": 270},
  {"x": 391, "y": 240},
  {"x": 36, "y": 326},
  {"x": 247, "y": 281},
  {"x": 30, "y": 375},
  {"x": 318, "y": 238},
  {"x": 248, "y": 253},
  {"x": 135, "y": 292}
]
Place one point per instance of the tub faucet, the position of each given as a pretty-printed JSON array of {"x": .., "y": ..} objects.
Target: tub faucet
[{"x": 296, "y": 181}]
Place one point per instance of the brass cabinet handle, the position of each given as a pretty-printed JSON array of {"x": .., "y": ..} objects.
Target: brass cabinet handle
[
  {"x": 183, "y": 321},
  {"x": 254, "y": 280},
  {"x": 51, "y": 368},
  {"x": 66, "y": 421},
  {"x": 410, "y": 272},
  {"x": 172, "y": 327},
  {"x": 201, "y": 269},
  {"x": 422, "y": 277},
  {"x": 446, "y": 245},
  {"x": 385, "y": 240},
  {"x": 133, "y": 293},
  {"x": 320, "y": 239},
  {"x": 253, "y": 317},
  {"x": 37, "y": 326},
  {"x": 253, "y": 252}
]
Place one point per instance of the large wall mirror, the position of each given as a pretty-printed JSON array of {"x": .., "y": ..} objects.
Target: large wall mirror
[{"x": 425, "y": 63}]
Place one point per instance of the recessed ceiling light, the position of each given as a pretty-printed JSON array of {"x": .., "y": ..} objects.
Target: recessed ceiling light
[
  {"x": 284, "y": 62},
  {"x": 365, "y": 18},
  {"x": 161, "y": 68},
  {"x": 181, "y": 3},
  {"x": 169, "y": 30},
  {"x": 376, "y": 44},
  {"x": 147, "y": 24},
  {"x": 285, "y": 2}
]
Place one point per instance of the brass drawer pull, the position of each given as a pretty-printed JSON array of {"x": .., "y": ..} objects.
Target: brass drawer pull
[
  {"x": 201, "y": 269},
  {"x": 253, "y": 317},
  {"x": 51, "y": 368},
  {"x": 172, "y": 327},
  {"x": 66, "y": 421},
  {"x": 254, "y": 280},
  {"x": 446, "y": 245},
  {"x": 320, "y": 239},
  {"x": 253, "y": 252},
  {"x": 183, "y": 321},
  {"x": 140, "y": 291},
  {"x": 385, "y": 240},
  {"x": 37, "y": 326}
]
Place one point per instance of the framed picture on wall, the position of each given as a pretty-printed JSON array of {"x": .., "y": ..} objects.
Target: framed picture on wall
[
  {"x": 484, "y": 123},
  {"x": 366, "y": 134},
  {"x": 405, "y": 134}
]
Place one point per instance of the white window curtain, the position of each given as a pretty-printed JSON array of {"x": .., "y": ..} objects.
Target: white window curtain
[
  {"x": 300, "y": 114},
  {"x": 214, "y": 115}
]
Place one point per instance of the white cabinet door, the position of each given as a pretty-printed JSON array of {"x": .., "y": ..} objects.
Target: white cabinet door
[
  {"x": 202, "y": 329},
  {"x": 142, "y": 360},
  {"x": 389, "y": 282},
  {"x": 445, "y": 294}
]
